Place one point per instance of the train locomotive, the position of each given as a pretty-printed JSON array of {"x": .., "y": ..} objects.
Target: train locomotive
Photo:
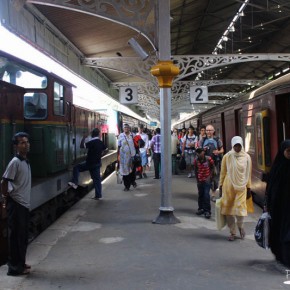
[
  {"x": 261, "y": 118},
  {"x": 41, "y": 103}
]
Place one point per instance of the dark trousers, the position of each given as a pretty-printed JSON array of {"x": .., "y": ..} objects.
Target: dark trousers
[
  {"x": 95, "y": 175},
  {"x": 174, "y": 164},
  {"x": 18, "y": 225},
  {"x": 157, "y": 162},
  {"x": 130, "y": 179},
  {"x": 203, "y": 196}
]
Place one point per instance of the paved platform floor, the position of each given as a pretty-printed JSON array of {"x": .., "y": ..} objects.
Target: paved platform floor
[{"x": 112, "y": 245}]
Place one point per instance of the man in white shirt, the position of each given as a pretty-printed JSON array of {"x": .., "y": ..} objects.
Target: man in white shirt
[
  {"x": 188, "y": 150},
  {"x": 143, "y": 150}
]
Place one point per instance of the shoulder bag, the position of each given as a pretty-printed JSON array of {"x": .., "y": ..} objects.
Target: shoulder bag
[
  {"x": 220, "y": 218},
  {"x": 136, "y": 159},
  {"x": 262, "y": 231}
]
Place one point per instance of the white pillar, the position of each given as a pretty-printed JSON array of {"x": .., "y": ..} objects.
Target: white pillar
[{"x": 165, "y": 72}]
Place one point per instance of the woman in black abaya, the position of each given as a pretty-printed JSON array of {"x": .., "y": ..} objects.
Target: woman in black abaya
[{"x": 278, "y": 204}]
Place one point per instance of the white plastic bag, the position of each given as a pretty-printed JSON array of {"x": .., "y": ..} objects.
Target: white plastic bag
[
  {"x": 220, "y": 218},
  {"x": 119, "y": 177}
]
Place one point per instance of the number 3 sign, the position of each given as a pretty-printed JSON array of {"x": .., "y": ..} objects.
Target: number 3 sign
[
  {"x": 128, "y": 95},
  {"x": 198, "y": 94}
]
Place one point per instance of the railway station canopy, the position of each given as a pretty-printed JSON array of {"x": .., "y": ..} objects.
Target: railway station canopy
[{"x": 229, "y": 46}]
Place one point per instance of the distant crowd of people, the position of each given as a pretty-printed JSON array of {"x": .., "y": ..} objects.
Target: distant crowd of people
[
  {"x": 201, "y": 150},
  {"x": 205, "y": 160}
]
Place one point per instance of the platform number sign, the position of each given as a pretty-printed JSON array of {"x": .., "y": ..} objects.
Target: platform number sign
[
  {"x": 128, "y": 95},
  {"x": 198, "y": 94}
]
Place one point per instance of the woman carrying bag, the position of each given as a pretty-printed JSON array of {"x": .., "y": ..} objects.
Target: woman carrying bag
[
  {"x": 235, "y": 184},
  {"x": 278, "y": 204},
  {"x": 126, "y": 152}
]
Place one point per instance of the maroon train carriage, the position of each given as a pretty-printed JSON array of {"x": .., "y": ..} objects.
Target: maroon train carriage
[{"x": 262, "y": 118}]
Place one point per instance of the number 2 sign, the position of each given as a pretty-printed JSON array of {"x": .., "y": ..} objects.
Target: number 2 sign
[
  {"x": 128, "y": 95},
  {"x": 198, "y": 94}
]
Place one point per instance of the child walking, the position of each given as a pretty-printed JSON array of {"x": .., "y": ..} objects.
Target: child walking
[{"x": 204, "y": 171}]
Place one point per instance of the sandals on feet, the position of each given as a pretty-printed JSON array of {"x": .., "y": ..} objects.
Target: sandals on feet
[
  {"x": 231, "y": 238},
  {"x": 26, "y": 266},
  {"x": 242, "y": 233}
]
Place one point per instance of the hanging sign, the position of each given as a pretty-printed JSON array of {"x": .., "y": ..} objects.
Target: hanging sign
[
  {"x": 128, "y": 95},
  {"x": 198, "y": 94}
]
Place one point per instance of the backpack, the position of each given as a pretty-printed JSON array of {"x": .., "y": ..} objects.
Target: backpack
[
  {"x": 138, "y": 142},
  {"x": 141, "y": 143},
  {"x": 211, "y": 145}
]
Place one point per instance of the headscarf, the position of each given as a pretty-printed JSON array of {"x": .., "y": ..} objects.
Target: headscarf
[{"x": 238, "y": 165}]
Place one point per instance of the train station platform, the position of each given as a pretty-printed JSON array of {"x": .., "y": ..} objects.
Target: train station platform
[{"x": 112, "y": 244}]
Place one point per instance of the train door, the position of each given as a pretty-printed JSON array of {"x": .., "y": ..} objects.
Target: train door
[
  {"x": 223, "y": 131},
  {"x": 73, "y": 123},
  {"x": 283, "y": 117},
  {"x": 239, "y": 123}
]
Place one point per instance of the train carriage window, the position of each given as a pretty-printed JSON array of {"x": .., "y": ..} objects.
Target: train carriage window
[
  {"x": 58, "y": 93},
  {"x": 35, "y": 106},
  {"x": 267, "y": 140},
  {"x": 20, "y": 75},
  {"x": 249, "y": 139},
  {"x": 263, "y": 140}
]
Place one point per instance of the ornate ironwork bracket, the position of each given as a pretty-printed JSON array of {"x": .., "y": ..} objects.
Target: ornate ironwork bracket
[
  {"x": 128, "y": 65},
  {"x": 180, "y": 87},
  {"x": 176, "y": 99},
  {"x": 188, "y": 64},
  {"x": 192, "y": 64},
  {"x": 144, "y": 88}
]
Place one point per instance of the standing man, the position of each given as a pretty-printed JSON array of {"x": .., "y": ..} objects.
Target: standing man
[
  {"x": 189, "y": 143},
  {"x": 174, "y": 147},
  {"x": 16, "y": 188},
  {"x": 143, "y": 150},
  {"x": 214, "y": 148},
  {"x": 156, "y": 147},
  {"x": 92, "y": 164},
  {"x": 202, "y": 133}
]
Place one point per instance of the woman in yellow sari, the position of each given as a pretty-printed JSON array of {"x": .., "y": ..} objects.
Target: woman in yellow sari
[{"x": 235, "y": 186}]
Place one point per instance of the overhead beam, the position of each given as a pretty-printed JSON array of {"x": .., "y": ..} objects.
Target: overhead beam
[
  {"x": 188, "y": 64},
  {"x": 192, "y": 64}
]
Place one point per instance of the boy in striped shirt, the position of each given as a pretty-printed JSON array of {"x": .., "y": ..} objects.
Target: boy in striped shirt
[{"x": 204, "y": 170}]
